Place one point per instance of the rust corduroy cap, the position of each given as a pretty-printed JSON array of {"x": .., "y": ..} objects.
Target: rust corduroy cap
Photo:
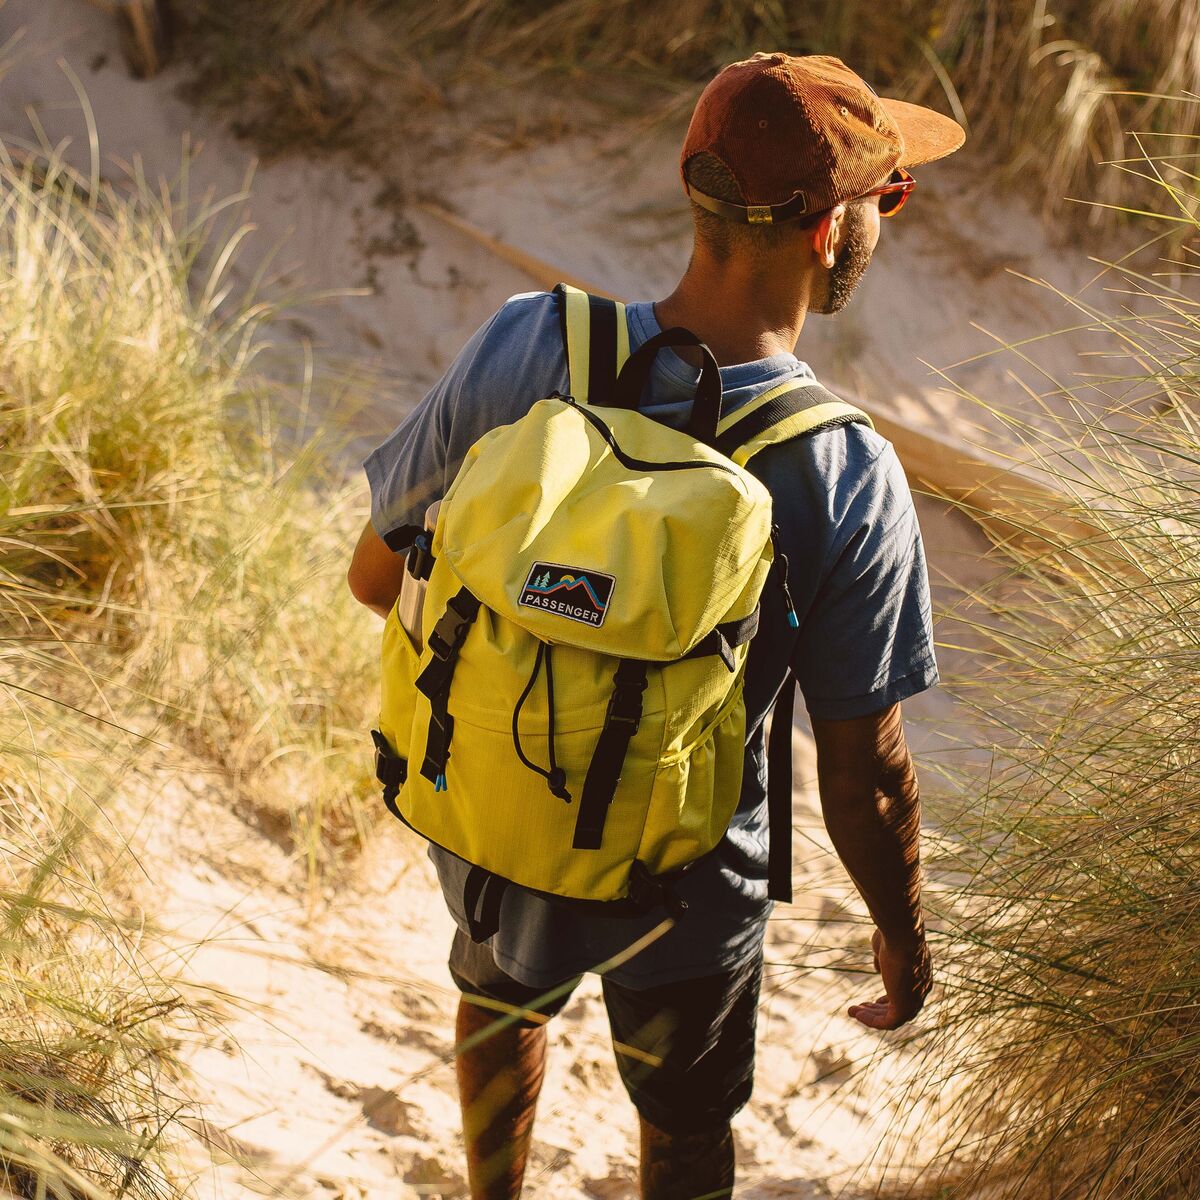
[{"x": 809, "y": 133}]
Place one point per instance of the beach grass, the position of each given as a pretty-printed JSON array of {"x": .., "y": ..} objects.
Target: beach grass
[
  {"x": 171, "y": 578},
  {"x": 1067, "y": 1041}
]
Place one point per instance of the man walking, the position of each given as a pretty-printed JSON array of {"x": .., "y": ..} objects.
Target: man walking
[{"x": 789, "y": 164}]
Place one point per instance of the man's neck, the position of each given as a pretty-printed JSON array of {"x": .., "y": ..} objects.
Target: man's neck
[{"x": 742, "y": 316}]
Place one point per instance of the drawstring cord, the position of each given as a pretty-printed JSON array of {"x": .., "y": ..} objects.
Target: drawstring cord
[
  {"x": 555, "y": 777},
  {"x": 781, "y": 558}
]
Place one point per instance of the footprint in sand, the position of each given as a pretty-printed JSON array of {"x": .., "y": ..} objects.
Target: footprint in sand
[
  {"x": 432, "y": 1179},
  {"x": 420, "y": 1037},
  {"x": 385, "y": 1111}
]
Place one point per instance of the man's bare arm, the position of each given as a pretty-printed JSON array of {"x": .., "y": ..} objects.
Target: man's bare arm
[
  {"x": 871, "y": 805},
  {"x": 376, "y": 573}
]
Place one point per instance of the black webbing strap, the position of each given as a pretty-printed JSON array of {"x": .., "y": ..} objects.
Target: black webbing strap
[
  {"x": 608, "y": 759},
  {"x": 602, "y": 349},
  {"x": 706, "y": 403},
  {"x": 649, "y": 892},
  {"x": 723, "y": 638},
  {"x": 788, "y": 404},
  {"x": 399, "y": 539},
  {"x": 779, "y": 794},
  {"x": 482, "y": 895},
  {"x": 390, "y": 769},
  {"x": 445, "y": 642}
]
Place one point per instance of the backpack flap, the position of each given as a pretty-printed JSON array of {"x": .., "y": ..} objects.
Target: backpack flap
[{"x": 605, "y": 530}]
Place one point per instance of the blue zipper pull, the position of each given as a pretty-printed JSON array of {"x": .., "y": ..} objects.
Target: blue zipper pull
[{"x": 440, "y": 783}]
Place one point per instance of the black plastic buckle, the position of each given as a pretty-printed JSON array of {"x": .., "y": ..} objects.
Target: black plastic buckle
[
  {"x": 625, "y": 708},
  {"x": 449, "y": 633},
  {"x": 625, "y": 703},
  {"x": 649, "y": 892},
  {"x": 390, "y": 769}
]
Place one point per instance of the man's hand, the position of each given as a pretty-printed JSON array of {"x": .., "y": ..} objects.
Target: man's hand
[
  {"x": 872, "y": 810},
  {"x": 907, "y": 978}
]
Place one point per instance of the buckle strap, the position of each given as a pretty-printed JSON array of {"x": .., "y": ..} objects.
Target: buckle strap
[
  {"x": 390, "y": 769},
  {"x": 444, "y": 642},
  {"x": 648, "y": 892},
  {"x": 451, "y": 629},
  {"x": 482, "y": 896},
  {"x": 621, "y": 722},
  {"x": 722, "y": 639}
]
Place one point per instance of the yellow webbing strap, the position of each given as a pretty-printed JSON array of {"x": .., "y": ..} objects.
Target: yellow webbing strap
[
  {"x": 836, "y": 412},
  {"x": 622, "y": 336},
  {"x": 578, "y": 327}
]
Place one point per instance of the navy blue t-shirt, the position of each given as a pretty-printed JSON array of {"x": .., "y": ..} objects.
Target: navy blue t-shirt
[{"x": 857, "y": 578}]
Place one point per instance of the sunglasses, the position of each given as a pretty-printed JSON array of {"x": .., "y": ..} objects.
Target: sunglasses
[{"x": 892, "y": 194}]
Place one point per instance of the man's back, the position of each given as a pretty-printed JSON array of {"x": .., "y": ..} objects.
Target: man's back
[{"x": 857, "y": 578}]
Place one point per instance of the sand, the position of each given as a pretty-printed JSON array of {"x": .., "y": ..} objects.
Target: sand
[{"x": 326, "y": 1069}]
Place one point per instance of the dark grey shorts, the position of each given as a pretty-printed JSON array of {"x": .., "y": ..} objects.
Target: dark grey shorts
[{"x": 685, "y": 1050}]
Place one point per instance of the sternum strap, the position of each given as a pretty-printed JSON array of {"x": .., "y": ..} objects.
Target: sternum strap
[{"x": 608, "y": 759}]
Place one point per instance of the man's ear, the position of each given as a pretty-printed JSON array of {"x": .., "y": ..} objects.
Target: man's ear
[{"x": 827, "y": 235}]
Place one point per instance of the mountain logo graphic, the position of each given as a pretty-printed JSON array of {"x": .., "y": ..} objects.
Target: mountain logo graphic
[{"x": 576, "y": 593}]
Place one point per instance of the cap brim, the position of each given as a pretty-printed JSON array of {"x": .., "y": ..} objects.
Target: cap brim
[{"x": 927, "y": 134}]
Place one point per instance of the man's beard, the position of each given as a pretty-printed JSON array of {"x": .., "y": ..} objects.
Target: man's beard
[{"x": 849, "y": 265}]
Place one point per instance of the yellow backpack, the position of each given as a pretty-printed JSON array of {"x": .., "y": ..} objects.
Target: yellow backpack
[{"x": 574, "y": 721}]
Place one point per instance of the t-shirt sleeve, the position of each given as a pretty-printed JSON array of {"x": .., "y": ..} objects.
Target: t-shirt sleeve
[
  {"x": 866, "y": 642},
  {"x": 513, "y": 360}
]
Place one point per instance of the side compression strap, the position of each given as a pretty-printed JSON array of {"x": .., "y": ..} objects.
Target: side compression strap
[
  {"x": 400, "y": 539},
  {"x": 391, "y": 770},
  {"x": 608, "y": 759},
  {"x": 779, "y": 794},
  {"x": 445, "y": 642}
]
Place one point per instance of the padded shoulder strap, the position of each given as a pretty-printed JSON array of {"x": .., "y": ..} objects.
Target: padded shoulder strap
[
  {"x": 596, "y": 339},
  {"x": 794, "y": 409}
]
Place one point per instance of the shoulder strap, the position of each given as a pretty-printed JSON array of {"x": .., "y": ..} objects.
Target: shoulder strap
[
  {"x": 793, "y": 409},
  {"x": 596, "y": 340}
]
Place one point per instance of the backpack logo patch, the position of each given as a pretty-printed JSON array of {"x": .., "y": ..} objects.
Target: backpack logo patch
[{"x": 568, "y": 592}]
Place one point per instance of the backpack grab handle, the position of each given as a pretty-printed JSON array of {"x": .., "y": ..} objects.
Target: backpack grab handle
[{"x": 706, "y": 406}]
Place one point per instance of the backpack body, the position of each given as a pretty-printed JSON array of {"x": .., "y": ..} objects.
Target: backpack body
[{"x": 573, "y": 722}]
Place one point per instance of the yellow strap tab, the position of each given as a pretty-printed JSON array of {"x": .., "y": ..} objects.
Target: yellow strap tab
[
  {"x": 579, "y": 339},
  {"x": 797, "y": 425},
  {"x": 622, "y": 337}
]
